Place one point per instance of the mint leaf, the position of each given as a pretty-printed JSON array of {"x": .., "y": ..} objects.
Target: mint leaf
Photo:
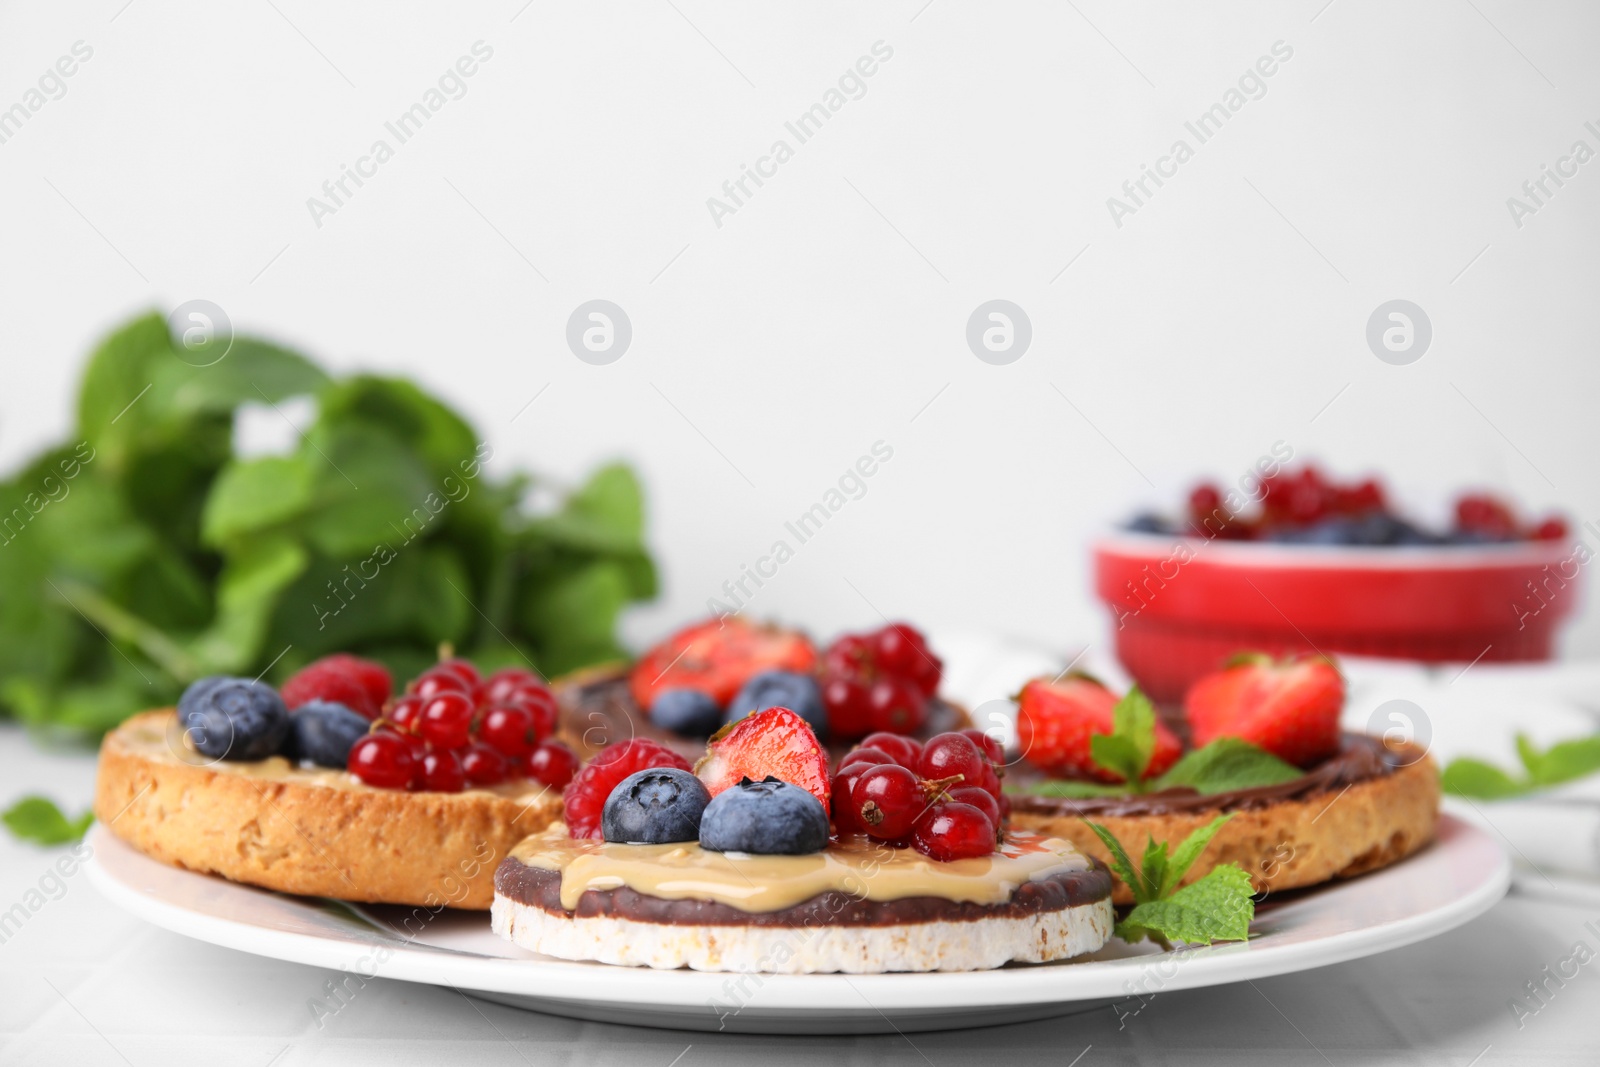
[
  {"x": 1218, "y": 907},
  {"x": 1153, "y": 869},
  {"x": 37, "y": 819},
  {"x": 1072, "y": 789},
  {"x": 1120, "y": 756},
  {"x": 1561, "y": 762},
  {"x": 1126, "y": 750},
  {"x": 1190, "y": 851},
  {"x": 1121, "y": 865},
  {"x": 1226, "y": 764}
]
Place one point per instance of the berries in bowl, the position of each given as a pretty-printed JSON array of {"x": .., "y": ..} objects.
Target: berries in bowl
[
  {"x": 718, "y": 671},
  {"x": 736, "y": 867},
  {"x": 1297, "y": 563}
]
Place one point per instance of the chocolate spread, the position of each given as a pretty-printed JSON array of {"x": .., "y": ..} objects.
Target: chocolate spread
[{"x": 1360, "y": 757}]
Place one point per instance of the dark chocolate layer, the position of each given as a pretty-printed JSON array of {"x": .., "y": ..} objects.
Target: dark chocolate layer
[
  {"x": 1360, "y": 758},
  {"x": 598, "y": 710},
  {"x": 541, "y": 888}
]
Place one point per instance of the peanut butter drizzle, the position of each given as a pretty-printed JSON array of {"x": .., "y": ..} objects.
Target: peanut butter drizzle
[
  {"x": 858, "y": 866},
  {"x": 172, "y": 745}
]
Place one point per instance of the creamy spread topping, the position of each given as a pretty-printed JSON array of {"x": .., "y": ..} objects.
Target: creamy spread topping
[
  {"x": 163, "y": 739},
  {"x": 857, "y": 866}
]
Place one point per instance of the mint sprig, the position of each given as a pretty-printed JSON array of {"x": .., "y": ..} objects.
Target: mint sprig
[
  {"x": 1127, "y": 749},
  {"x": 1561, "y": 762},
  {"x": 1226, "y": 764},
  {"x": 1216, "y": 907},
  {"x": 37, "y": 819}
]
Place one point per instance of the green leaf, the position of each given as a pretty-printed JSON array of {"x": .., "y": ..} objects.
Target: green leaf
[
  {"x": 1188, "y": 852},
  {"x": 1218, "y": 907},
  {"x": 1120, "y": 756},
  {"x": 1071, "y": 788},
  {"x": 1468, "y": 777},
  {"x": 1567, "y": 760},
  {"x": 36, "y": 819},
  {"x": 114, "y": 385},
  {"x": 1153, "y": 869},
  {"x": 253, "y": 372},
  {"x": 1226, "y": 764},
  {"x": 1127, "y": 749},
  {"x": 1121, "y": 865},
  {"x": 255, "y": 494},
  {"x": 247, "y": 596}
]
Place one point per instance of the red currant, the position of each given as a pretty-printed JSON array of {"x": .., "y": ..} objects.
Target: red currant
[
  {"x": 1551, "y": 530},
  {"x": 553, "y": 764},
  {"x": 461, "y": 668},
  {"x": 848, "y": 704},
  {"x": 446, "y": 720},
  {"x": 383, "y": 760},
  {"x": 896, "y": 706},
  {"x": 953, "y": 831},
  {"x": 509, "y": 728},
  {"x": 541, "y": 704},
  {"x": 850, "y": 656},
  {"x": 484, "y": 765},
  {"x": 405, "y": 712},
  {"x": 431, "y": 683},
  {"x": 498, "y": 687},
  {"x": 870, "y": 756},
  {"x": 902, "y": 651},
  {"x": 980, "y": 799},
  {"x": 947, "y": 755},
  {"x": 441, "y": 773},
  {"x": 989, "y": 746},
  {"x": 888, "y": 799},
  {"x": 846, "y": 819},
  {"x": 902, "y": 749}
]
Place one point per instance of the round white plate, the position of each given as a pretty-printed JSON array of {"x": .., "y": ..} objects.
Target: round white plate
[{"x": 1459, "y": 877}]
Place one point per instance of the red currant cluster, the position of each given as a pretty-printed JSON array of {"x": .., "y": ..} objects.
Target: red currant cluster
[
  {"x": 454, "y": 728},
  {"x": 879, "y": 681},
  {"x": 941, "y": 798}
]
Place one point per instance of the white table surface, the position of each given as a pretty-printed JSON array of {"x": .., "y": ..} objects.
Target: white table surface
[{"x": 82, "y": 983}]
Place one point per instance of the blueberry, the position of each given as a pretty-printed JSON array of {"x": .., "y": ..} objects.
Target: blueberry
[
  {"x": 766, "y": 818},
  {"x": 1149, "y": 522},
  {"x": 233, "y": 718},
  {"x": 322, "y": 732},
  {"x": 655, "y": 807},
  {"x": 782, "y": 689},
  {"x": 686, "y": 711}
]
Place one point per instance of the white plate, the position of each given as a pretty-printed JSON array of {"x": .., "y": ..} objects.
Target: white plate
[{"x": 1459, "y": 877}]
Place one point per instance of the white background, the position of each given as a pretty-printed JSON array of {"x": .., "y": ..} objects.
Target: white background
[{"x": 829, "y": 312}]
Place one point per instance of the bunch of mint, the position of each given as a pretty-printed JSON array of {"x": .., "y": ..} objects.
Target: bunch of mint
[
  {"x": 1218, "y": 906},
  {"x": 143, "y": 553}
]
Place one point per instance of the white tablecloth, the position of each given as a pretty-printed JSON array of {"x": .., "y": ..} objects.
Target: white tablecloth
[{"x": 82, "y": 983}]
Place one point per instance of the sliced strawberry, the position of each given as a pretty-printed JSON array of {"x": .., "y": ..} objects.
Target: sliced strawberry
[
  {"x": 717, "y": 657},
  {"x": 776, "y": 742},
  {"x": 1290, "y": 708},
  {"x": 1056, "y": 719},
  {"x": 584, "y": 798}
]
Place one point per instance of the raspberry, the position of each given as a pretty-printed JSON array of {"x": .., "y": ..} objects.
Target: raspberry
[
  {"x": 585, "y": 796},
  {"x": 332, "y": 682},
  {"x": 373, "y": 676}
]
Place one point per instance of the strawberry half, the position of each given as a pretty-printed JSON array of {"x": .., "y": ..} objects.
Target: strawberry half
[
  {"x": 1056, "y": 719},
  {"x": 717, "y": 657},
  {"x": 1289, "y": 707},
  {"x": 776, "y": 742}
]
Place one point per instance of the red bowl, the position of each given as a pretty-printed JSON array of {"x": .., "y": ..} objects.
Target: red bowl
[{"x": 1182, "y": 606}]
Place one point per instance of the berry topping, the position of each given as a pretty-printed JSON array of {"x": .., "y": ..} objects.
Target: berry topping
[
  {"x": 1056, "y": 719},
  {"x": 886, "y": 801},
  {"x": 688, "y": 712},
  {"x": 552, "y": 764},
  {"x": 498, "y": 687},
  {"x": 717, "y": 657},
  {"x": 373, "y": 676},
  {"x": 655, "y": 807},
  {"x": 323, "y": 733},
  {"x": 484, "y": 765},
  {"x": 430, "y": 683},
  {"x": 585, "y": 796},
  {"x": 903, "y": 750},
  {"x": 984, "y": 801},
  {"x": 766, "y": 818},
  {"x": 951, "y": 755},
  {"x": 441, "y": 773},
  {"x": 446, "y": 720},
  {"x": 989, "y": 745},
  {"x": 879, "y": 681},
  {"x": 331, "y": 680},
  {"x": 782, "y": 689},
  {"x": 510, "y": 729},
  {"x": 384, "y": 760},
  {"x": 776, "y": 743},
  {"x": 233, "y": 718},
  {"x": 1290, "y": 708},
  {"x": 951, "y": 830},
  {"x": 405, "y": 712}
]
